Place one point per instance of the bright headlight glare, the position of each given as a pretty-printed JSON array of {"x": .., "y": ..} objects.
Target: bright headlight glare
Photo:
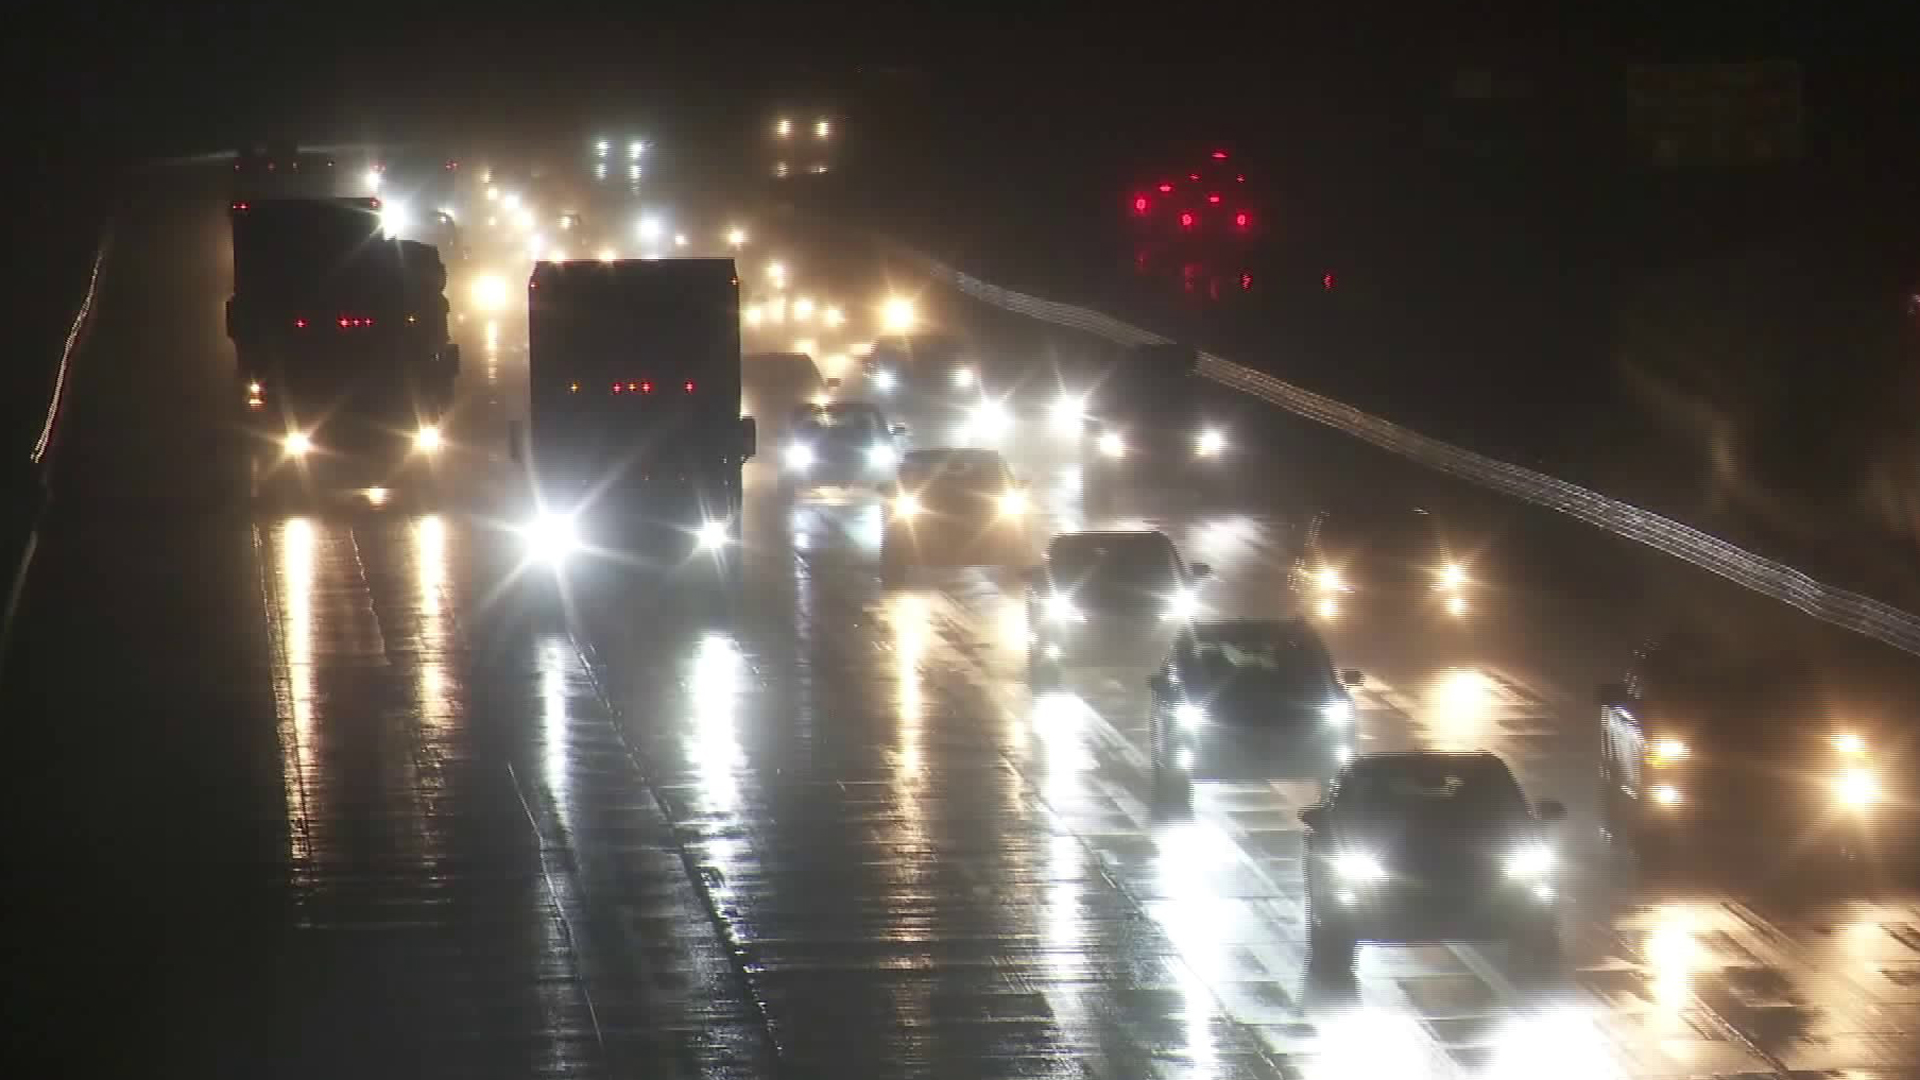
[
  {"x": 712, "y": 535},
  {"x": 963, "y": 377},
  {"x": 1330, "y": 580},
  {"x": 1061, "y": 609},
  {"x": 991, "y": 418},
  {"x": 1189, "y": 715},
  {"x": 1531, "y": 861},
  {"x": 1666, "y": 795},
  {"x": 1667, "y": 751},
  {"x": 1013, "y": 503},
  {"x": 551, "y": 536},
  {"x": 1857, "y": 789},
  {"x": 1850, "y": 744},
  {"x": 1112, "y": 445},
  {"x": 1358, "y": 868},
  {"x": 881, "y": 456},
  {"x": 1210, "y": 443},
  {"x": 489, "y": 292},
  {"x": 1339, "y": 711},
  {"x": 906, "y": 506},
  {"x": 298, "y": 444},
  {"x": 427, "y": 439},
  {"x": 799, "y": 457},
  {"x": 884, "y": 379},
  {"x": 1066, "y": 413},
  {"x": 1453, "y": 576},
  {"x": 1182, "y": 604}
]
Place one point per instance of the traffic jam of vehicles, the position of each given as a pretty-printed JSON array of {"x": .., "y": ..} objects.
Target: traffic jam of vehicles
[{"x": 645, "y": 350}]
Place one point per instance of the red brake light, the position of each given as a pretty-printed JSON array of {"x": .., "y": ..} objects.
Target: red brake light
[
  {"x": 240, "y": 206},
  {"x": 688, "y": 387},
  {"x": 1193, "y": 176},
  {"x": 1214, "y": 198},
  {"x": 1166, "y": 188},
  {"x": 1140, "y": 204},
  {"x": 617, "y": 388},
  {"x": 1246, "y": 282},
  {"x": 299, "y": 324},
  {"x": 1326, "y": 282},
  {"x": 1241, "y": 179},
  {"x": 1242, "y": 219},
  {"x": 1219, "y": 155},
  {"x": 646, "y": 388},
  {"x": 1186, "y": 219}
]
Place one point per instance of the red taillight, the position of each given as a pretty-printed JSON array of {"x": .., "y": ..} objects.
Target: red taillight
[
  {"x": 1246, "y": 282},
  {"x": 355, "y": 322},
  {"x": 453, "y": 164},
  {"x": 1166, "y": 188},
  {"x": 688, "y": 386},
  {"x": 1140, "y": 204},
  {"x": 1186, "y": 219},
  {"x": 240, "y": 206},
  {"x": 1240, "y": 179},
  {"x": 1219, "y": 155},
  {"x": 373, "y": 204},
  {"x": 617, "y": 388},
  {"x": 1326, "y": 282},
  {"x": 1214, "y": 198},
  {"x": 299, "y": 324},
  {"x": 1193, "y": 176},
  {"x": 646, "y": 388},
  {"x": 1242, "y": 219}
]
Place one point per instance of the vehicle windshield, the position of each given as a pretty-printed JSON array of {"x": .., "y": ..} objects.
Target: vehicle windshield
[
  {"x": 851, "y": 423},
  {"x": 1272, "y": 658},
  {"x": 1441, "y": 789},
  {"x": 955, "y": 473},
  {"x": 1096, "y": 561}
]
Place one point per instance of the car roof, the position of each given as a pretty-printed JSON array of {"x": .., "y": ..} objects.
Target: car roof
[
  {"x": 953, "y": 456},
  {"x": 1228, "y": 629},
  {"x": 1099, "y": 538},
  {"x": 1410, "y": 760}
]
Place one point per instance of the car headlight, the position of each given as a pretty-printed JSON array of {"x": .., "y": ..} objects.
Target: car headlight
[
  {"x": 1453, "y": 576},
  {"x": 1189, "y": 715},
  {"x": 1112, "y": 445},
  {"x": 427, "y": 439},
  {"x": 712, "y": 535},
  {"x": 1013, "y": 503},
  {"x": 799, "y": 457},
  {"x": 885, "y": 379},
  {"x": 1330, "y": 579},
  {"x": 1182, "y": 604},
  {"x": 551, "y": 537},
  {"x": 489, "y": 292},
  {"x": 1338, "y": 711},
  {"x": 1533, "y": 860},
  {"x": 1358, "y": 868},
  {"x": 1850, "y": 744},
  {"x": 881, "y": 456},
  {"x": 906, "y": 506},
  {"x": 298, "y": 444},
  {"x": 1666, "y": 795},
  {"x": 1857, "y": 789},
  {"x": 1067, "y": 411},
  {"x": 1061, "y": 609},
  {"x": 991, "y": 418},
  {"x": 1210, "y": 443},
  {"x": 1666, "y": 751},
  {"x": 963, "y": 377}
]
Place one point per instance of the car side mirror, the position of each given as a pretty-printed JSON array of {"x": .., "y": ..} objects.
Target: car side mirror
[
  {"x": 1609, "y": 693},
  {"x": 516, "y": 443},
  {"x": 749, "y": 437},
  {"x": 1315, "y": 816},
  {"x": 1353, "y": 677},
  {"x": 1550, "y": 810},
  {"x": 899, "y": 430},
  {"x": 833, "y": 384},
  {"x": 1200, "y": 571}
]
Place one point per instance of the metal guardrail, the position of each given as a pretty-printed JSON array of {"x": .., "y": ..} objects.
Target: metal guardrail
[
  {"x": 39, "y": 458},
  {"x": 1849, "y": 610}
]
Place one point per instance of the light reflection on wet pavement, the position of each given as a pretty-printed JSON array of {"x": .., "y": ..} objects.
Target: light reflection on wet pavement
[{"x": 829, "y": 832}]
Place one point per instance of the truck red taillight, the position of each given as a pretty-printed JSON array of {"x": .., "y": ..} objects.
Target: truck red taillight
[{"x": 354, "y": 322}]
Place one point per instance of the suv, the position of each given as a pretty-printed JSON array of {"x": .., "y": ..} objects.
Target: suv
[
  {"x": 954, "y": 507},
  {"x": 1242, "y": 698},
  {"x": 1107, "y": 598},
  {"x": 1410, "y": 848}
]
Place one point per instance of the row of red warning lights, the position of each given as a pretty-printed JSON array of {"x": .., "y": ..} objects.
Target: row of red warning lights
[{"x": 643, "y": 386}]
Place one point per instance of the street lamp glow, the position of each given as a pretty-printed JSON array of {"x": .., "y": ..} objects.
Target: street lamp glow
[
  {"x": 679, "y": 239},
  {"x": 897, "y": 315},
  {"x": 737, "y": 236},
  {"x": 802, "y": 309},
  {"x": 649, "y": 228},
  {"x": 635, "y": 149},
  {"x": 821, "y": 129},
  {"x": 751, "y": 315},
  {"x": 783, "y": 128},
  {"x": 833, "y": 317}
]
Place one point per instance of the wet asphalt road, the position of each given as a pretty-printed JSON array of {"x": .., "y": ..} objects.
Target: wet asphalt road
[{"x": 329, "y": 792}]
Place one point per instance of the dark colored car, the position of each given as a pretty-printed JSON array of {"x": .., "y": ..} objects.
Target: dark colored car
[
  {"x": 1411, "y": 848},
  {"x": 1107, "y": 599},
  {"x": 841, "y": 444},
  {"x": 1715, "y": 755},
  {"x": 954, "y": 507},
  {"x": 1248, "y": 699},
  {"x": 1393, "y": 559}
]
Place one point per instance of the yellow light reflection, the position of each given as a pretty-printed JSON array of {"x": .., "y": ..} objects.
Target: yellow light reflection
[
  {"x": 1372, "y": 1041},
  {"x": 909, "y": 617},
  {"x": 1461, "y": 706},
  {"x": 1673, "y": 954},
  {"x": 714, "y": 687},
  {"x": 294, "y": 552},
  {"x": 436, "y": 630},
  {"x": 553, "y": 664}
]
